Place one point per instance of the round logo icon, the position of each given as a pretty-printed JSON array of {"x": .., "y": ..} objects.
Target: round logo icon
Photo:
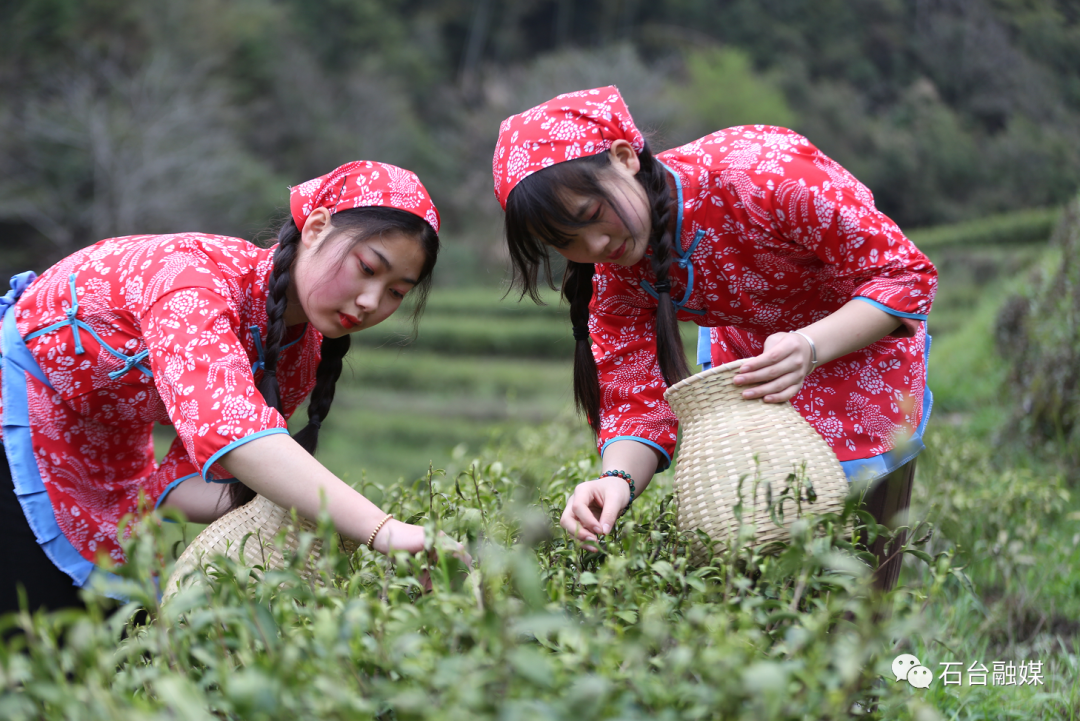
[
  {"x": 902, "y": 664},
  {"x": 920, "y": 676}
]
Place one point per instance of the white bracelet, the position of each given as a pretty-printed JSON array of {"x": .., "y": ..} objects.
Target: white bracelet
[{"x": 813, "y": 348}]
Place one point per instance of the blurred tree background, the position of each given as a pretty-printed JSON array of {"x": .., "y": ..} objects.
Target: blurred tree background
[{"x": 139, "y": 116}]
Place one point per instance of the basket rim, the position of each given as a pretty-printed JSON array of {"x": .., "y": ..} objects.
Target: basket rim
[{"x": 698, "y": 377}]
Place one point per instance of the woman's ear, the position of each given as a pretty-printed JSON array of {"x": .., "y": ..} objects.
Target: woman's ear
[
  {"x": 317, "y": 224},
  {"x": 624, "y": 157}
]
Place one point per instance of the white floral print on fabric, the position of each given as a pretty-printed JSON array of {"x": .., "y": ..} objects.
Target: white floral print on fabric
[
  {"x": 190, "y": 300},
  {"x": 363, "y": 184},
  {"x": 569, "y": 126},
  {"x": 789, "y": 237}
]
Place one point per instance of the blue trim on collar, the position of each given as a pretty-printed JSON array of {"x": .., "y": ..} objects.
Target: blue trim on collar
[
  {"x": 297, "y": 339},
  {"x": 683, "y": 259},
  {"x": 260, "y": 364},
  {"x": 678, "y": 191}
]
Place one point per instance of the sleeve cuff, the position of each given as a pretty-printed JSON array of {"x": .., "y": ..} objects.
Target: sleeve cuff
[
  {"x": 890, "y": 311},
  {"x": 232, "y": 446},
  {"x": 909, "y": 322},
  {"x": 664, "y": 464},
  {"x": 169, "y": 489}
]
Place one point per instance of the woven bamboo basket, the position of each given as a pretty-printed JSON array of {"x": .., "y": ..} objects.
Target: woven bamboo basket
[
  {"x": 254, "y": 526},
  {"x": 761, "y": 461}
]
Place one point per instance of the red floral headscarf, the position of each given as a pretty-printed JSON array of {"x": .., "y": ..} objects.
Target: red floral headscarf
[
  {"x": 569, "y": 126},
  {"x": 363, "y": 184}
]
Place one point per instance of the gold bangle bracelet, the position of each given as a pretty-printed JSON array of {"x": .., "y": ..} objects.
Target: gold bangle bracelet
[{"x": 371, "y": 538}]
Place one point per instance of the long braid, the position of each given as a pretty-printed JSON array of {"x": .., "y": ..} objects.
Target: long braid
[
  {"x": 669, "y": 347},
  {"x": 276, "y": 302},
  {"x": 577, "y": 289},
  {"x": 326, "y": 377},
  {"x": 358, "y": 223},
  {"x": 537, "y": 217}
]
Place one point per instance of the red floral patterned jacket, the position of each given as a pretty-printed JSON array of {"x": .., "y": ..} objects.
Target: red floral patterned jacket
[
  {"x": 774, "y": 236},
  {"x": 169, "y": 332}
]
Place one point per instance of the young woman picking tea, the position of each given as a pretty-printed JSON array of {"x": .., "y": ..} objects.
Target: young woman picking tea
[
  {"x": 772, "y": 248},
  {"x": 215, "y": 336}
]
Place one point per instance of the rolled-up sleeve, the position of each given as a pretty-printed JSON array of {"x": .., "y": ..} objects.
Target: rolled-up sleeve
[
  {"x": 822, "y": 207},
  {"x": 204, "y": 376},
  {"x": 632, "y": 405}
]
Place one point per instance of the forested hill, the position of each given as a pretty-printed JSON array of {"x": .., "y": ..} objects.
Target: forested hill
[{"x": 124, "y": 116}]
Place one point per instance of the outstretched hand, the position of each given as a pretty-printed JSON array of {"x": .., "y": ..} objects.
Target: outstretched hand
[
  {"x": 399, "y": 536},
  {"x": 778, "y": 373},
  {"x": 593, "y": 507}
]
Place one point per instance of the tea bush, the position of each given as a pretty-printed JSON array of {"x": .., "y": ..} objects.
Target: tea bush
[{"x": 539, "y": 628}]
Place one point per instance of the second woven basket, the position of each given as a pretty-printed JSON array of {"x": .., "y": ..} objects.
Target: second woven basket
[
  {"x": 254, "y": 526},
  {"x": 743, "y": 457}
]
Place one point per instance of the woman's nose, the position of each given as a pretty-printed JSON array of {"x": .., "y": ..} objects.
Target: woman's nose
[
  {"x": 368, "y": 298},
  {"x": 598, "y": 245}
]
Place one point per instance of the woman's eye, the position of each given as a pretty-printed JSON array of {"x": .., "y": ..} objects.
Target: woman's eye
[
  {"x": 397, "y": 294},
  {"x": 596, "y": 213},
  {"x": 364, "y": 266}
]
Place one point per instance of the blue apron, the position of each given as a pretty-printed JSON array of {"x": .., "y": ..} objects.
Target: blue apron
[{"x": 16, "y": 364}]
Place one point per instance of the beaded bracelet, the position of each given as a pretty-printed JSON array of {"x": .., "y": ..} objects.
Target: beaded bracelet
[
  {"x": 626, "y": 477},
  {"x": 371, "y": 538}
]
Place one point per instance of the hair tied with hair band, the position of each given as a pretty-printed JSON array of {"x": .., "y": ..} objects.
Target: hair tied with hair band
[
  {"x": 315, "y": 421},
  {"x": 663, "y": 286},
  {"x": 581, "y": 332}
]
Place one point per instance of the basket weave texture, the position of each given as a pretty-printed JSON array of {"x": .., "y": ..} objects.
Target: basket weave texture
[
  {"x": 259, "y": 522},
  {"x": 767, "y": 447}
]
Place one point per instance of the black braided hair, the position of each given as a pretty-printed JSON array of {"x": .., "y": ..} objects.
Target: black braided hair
[
  {"x": 536, "y": 218},
  {"x": 360, "y": 224},
  {"x": 669, "y": 347},
  {"x": 577, "y": 290}
]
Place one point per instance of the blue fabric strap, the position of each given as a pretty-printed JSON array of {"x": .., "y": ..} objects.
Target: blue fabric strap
[
  {"x": 19, "y": 284},
  {"x": 133, "y": 361},
  {"x": 71, "y": 311},
  {"x": 683, "y": 261},
  {"x": 130, "y": 362},
  {"x": 18, "y": 445},
  {"x": 261, "y": 363}
]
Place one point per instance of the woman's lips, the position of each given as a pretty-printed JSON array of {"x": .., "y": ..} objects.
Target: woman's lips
[
  {"x": 618, "y": 252},
  {"x": 348, "y": 322}
]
